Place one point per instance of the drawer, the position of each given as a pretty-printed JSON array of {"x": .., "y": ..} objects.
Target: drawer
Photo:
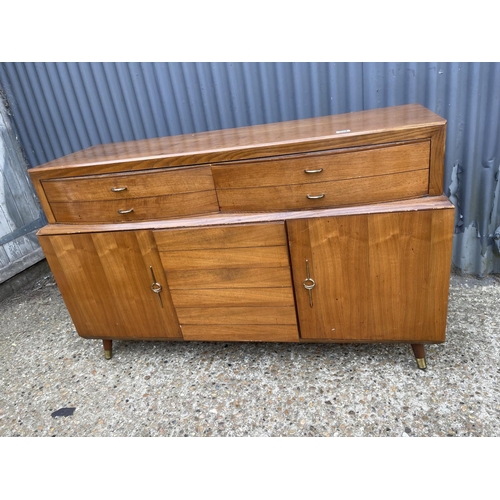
[
  {"x": 136, "y": 196},
  {"x": 326, "y": 194},
  {"x": 143, "y": 184},
  {"x": 136, "y": 209},
  {"x": 235, "y": 251},
  {"x": 340, "y": 177},
  {"x": 243, "y": 333}
]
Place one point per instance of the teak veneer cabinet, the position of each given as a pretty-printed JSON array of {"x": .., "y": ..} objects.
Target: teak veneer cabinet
[{"x": 330, "y": 229}]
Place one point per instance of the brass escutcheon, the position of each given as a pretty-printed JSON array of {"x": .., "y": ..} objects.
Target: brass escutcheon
[
  {"x": 155, "y": 286},
  {"x": 309, "y": 284}
]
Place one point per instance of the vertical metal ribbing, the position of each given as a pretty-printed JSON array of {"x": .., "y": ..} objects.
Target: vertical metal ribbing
[{"x": 58, "y": 108}]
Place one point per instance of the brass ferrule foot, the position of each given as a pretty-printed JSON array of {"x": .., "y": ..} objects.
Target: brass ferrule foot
[
  {"x": 107, "y": 354},
  {"x": 421, "y": 363}
]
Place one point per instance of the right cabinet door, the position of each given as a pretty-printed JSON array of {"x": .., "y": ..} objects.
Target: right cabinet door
[{"x": 378, "y": 277}]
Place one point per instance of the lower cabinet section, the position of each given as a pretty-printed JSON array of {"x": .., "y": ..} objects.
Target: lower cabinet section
[{"x": 369, "y": 277}]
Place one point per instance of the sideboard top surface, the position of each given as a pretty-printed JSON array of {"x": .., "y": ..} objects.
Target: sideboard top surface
[{"x": 395, "y": 123}]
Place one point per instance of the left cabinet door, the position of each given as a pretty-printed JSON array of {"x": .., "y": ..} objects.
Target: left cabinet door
[{"x": 107, "y": 281}]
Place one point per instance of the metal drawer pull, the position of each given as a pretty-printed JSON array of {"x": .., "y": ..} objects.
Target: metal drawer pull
[
  {"x": 126, "y": 211},
  {"x": 118, "y": 190},
  {"x": 317, "y": 197},
  {"x": 313, "y": 171},
  {"x": 156, "y": 287},
  {"x": 309, "y": 284}
]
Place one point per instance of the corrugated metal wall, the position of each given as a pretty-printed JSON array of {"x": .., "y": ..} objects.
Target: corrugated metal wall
[{"x": 59, "y": 108}]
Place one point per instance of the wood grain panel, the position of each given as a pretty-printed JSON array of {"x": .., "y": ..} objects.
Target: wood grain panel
[
  {"x": 399, "y": 251},
  {"x": 247, "y": 235},
  {"x": 138, "y": 184},
  {"x": 225, "y": 258},
  {"x": 105, "y": 281},
  {"x": 335, "y": 165},
  {"x": 372, "y": 275},
  {"x": 77, "y": 284},
  {"x": 44, "y": 202},
  {"x": 397, "y": 123},
  {"x": 251, "y": 277},
  {"x": 336, "y": 251},
  {"x": 238, "y": 297},
  {"x": 336, "y": 193},
  {"x": 438, "y": 142},
  {"x": 160, "y": 207},
  {"x": 237, "y": 316},
  {"x": 443, "y": 224},
  {"x": 241, "y": 333}
]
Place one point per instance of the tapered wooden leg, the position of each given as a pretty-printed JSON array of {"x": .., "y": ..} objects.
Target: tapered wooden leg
[
  {"x": 419, "y": 351},
  {"x": 107, "y": 348}
]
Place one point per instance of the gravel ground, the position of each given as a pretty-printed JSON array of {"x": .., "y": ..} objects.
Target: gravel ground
[{"x": 245, "y": 389}]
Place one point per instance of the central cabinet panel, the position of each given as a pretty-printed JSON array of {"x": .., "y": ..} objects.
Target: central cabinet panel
[{"x": 230, "y": 282}]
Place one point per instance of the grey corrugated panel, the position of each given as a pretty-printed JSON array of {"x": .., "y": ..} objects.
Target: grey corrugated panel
[
  {"x": 20, "y": 215},
  {"x": 476, "y": 160},
  {"x": 62, "y": 107}
]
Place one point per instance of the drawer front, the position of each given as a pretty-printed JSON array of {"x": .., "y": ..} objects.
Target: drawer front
[
  {"x": 326, "y": 194},
  {"x": 136, "y": 209},
  {"x": 359, "y": 175},
  {"x": 136, "y": 196},
  {"x": 241, "y": 333},
  {"x": 111, "y": 187}
]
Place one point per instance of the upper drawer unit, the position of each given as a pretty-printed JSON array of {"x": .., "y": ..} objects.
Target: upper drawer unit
[
  {"x": 325, "y": 179},
  {"x": 137, "y": 196}
]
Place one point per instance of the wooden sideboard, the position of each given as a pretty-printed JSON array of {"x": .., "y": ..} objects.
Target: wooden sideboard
[{"x": 329, "y": 229}]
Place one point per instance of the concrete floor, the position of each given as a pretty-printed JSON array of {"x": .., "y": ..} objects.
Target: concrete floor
[{"x": 231, "y": 389}]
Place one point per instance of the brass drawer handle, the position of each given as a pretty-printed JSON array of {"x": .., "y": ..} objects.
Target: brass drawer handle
[
  {"x": 313, "y": 171},
  {"x": 126, "y": 211},
  {"x": 317, "y": 197},
  {"x": 118, "y": 190}
]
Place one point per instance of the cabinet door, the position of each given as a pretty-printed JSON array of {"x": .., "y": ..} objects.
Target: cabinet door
[
  {"x": 105, "y": 280},
  {"x": 377, "y": 277},
  {"x": 230, "y": 283}
]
